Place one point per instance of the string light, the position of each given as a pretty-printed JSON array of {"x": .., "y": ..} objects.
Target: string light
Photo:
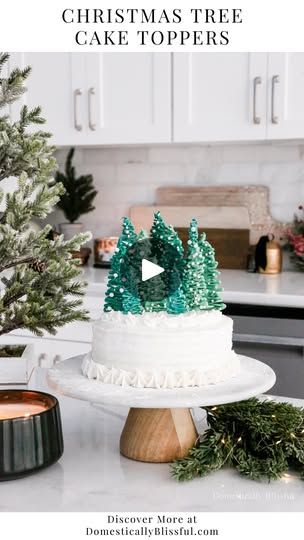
[
  {"x": 265, "y": 441},
  {"x": 286, "y": 478}
]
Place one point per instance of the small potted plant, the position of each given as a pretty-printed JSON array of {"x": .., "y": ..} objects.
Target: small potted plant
[
  {"x": 16, "y": 364},
  {"x": 77, "y": 199},
  {"x": 296, "y": 240}
]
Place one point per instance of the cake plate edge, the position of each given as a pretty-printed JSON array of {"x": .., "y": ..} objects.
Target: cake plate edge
[{"x": 254, "y": 379}]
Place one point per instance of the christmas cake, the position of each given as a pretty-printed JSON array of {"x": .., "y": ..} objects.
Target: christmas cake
[{"x": 169, "y": 331}]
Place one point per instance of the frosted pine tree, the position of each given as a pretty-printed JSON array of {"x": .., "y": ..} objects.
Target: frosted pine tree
[
  {"x": 40, "y": 286},
  {"x": 194, "y": 282},
  {"x": 211, "y": 275}
]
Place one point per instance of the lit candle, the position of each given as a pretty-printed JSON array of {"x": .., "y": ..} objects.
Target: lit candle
[
  {"x": 16, "y": 410},
  {"x": 24, "y": 449}
]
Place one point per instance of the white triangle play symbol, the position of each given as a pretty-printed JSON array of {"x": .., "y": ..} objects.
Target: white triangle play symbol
[{"x": 149, "y": 269}]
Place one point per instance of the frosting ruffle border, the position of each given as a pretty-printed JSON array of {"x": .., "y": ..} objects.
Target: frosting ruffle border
[{"x": 159, "y": 379}]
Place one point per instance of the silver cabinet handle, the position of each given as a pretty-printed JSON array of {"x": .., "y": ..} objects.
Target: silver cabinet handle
[
  {"x": 91, "y": 93},
  {"x": 256, "y": 82},
  {"x": 275, "y": 80},
  {"x": 77, "y": 94}
]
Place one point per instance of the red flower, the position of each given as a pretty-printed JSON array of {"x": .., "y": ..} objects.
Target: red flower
[
  {"x": 299, "y": 248},
  {"x": 297, "y": 241}
]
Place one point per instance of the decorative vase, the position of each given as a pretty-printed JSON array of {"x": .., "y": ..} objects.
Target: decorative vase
[
  {"x": 268, "y": 255},
  {"x": 16, "y": 363},
  {"x": 70, "y": 229}
]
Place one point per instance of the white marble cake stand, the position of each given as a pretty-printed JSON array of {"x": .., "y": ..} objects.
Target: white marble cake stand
[{"x": 159, "y": 427}]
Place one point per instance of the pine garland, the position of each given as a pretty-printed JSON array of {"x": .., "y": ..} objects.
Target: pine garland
[{"x": 260, "y": 439}]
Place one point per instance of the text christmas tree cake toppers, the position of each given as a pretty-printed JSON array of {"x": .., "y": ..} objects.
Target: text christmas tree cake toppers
[{"x": 187, "y": 282}]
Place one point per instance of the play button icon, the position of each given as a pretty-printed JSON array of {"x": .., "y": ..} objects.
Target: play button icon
[{"x": 150, "y": 270}]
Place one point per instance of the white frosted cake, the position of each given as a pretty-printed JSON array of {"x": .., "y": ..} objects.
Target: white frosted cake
[
  {"x": 159, "y": 350},
  {"x": 164, "y": 331}
]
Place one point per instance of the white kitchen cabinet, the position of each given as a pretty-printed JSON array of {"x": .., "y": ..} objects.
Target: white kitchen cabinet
[
  {"x": 101, "y": 98},
  {"x": 50, "y": 85},
  {"x": 130, "y": 98},
  {"x": 285, "y": 110},
  {"x": 238, "y": 96},
  {"x": 219, "y": 96}
]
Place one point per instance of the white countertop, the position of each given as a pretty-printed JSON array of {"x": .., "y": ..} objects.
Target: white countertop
[
  {"x": 93, "y": 476},
  {"x": 285, "y": 289}
]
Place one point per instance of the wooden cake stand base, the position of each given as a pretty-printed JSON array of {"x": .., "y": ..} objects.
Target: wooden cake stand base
[
  {"x": 159, "y": 427},
  {"x": 158, "y": 435}
]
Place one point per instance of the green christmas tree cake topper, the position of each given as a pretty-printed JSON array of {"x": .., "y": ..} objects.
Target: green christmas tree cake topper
[{"x": 189, "y": 282}]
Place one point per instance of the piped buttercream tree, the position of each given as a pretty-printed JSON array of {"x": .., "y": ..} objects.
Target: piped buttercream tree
[
  {"x": 116, "y": 291},
  {"x": 176, "y": 302},
  {"x": 131, "y": 301},
  {"x": 163, "y": 235},
  {"x": 155, "y": 293},
  {"x": 194, "y": 280},
  {"x": 211, "y": 275}
]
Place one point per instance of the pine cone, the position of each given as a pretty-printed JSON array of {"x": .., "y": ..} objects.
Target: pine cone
[{"x": 38, "y": 266}]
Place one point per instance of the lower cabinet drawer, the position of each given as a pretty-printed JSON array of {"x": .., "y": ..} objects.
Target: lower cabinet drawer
[{"x": 287, "y": 363}]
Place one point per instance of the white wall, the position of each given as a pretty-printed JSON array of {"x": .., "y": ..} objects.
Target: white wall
[{"x": 128, "y": 176}]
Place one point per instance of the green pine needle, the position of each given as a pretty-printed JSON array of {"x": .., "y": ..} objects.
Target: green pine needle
[
  {"x": 260, "y": 439},
  {"x": 37, "y": 301},
  {"x": 79, "y": 191}
]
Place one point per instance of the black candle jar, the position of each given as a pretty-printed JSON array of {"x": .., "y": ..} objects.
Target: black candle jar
[{"x": 30, "y": 432}]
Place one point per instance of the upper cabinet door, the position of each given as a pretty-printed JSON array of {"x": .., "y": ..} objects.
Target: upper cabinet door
[
  {"x": 285, "y": 96},
  {"x": 219, "y": 96},
  {"x": 128, "y": 98},
  {"x": 51, "y": 85},
  {"x": 100, "y": 98}
]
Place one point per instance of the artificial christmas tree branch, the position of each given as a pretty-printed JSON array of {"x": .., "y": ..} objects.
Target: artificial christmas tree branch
[
  {"x": 8, "y": 300},
  {"x": 11, "y": 326},
  {"x": 39, "y": 280},
  {"x": 11, "y": 264}
]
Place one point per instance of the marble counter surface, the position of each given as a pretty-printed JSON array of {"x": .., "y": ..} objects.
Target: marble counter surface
[
  {"x": 285, "y": 289},
  {"x": 93, "y": 476}
]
